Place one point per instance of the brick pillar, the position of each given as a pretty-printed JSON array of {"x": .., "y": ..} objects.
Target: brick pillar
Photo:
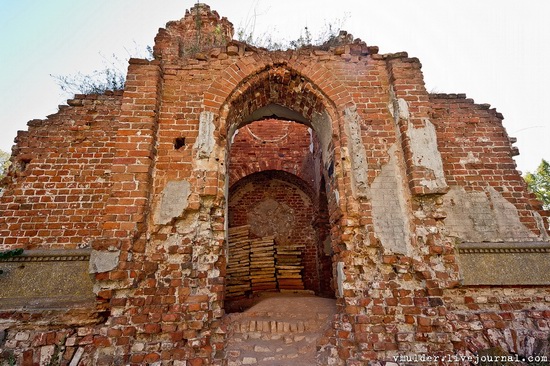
[
  {"x": 417, "y": 134},
  {"x": 126, "y": 209}
]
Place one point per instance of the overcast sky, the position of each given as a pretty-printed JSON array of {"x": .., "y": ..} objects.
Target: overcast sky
[{"x": 496, "y": 52}]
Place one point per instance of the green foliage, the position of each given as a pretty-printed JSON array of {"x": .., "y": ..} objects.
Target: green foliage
[
  {"x": 55, "y": 359},
  {"x": 113, "y": 74},
  {"x": 306, "y": 38},
  {"x": 4, "y": 163},
  {"x": 539, "y": 183},
  {"x": 9, "y": 254},
  {"x": 111, "y": 77},
  {"x": 98, "y": 82},
  {"x": 9, "y": 359}
]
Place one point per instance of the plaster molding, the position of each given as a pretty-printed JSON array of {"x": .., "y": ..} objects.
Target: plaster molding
[
  {"x": 51, "y": 255},
  {"x": 502, "y": 247}
]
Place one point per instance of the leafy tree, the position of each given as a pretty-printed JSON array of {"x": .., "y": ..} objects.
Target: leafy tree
[
  {"x": 9, "y": 254},
  {"x": 539, "y": 183},
  {"x": 4, "y": 163}
]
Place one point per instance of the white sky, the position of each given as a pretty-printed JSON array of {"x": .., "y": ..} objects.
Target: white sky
[{"x": 496, "y": 52}]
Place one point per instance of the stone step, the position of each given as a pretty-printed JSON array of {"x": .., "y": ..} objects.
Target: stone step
[
  {"x": 286, "y": 339},
  {"x": 276, "y": 326},
  {"x": 257, "y": 341},
  {"x": 266, "y": 351},
  {"x": 288, "y": 336},
  {"x": 274, "y": 315}
]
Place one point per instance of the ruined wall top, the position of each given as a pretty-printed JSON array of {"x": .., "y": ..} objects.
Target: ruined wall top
[{"x": 200, "y": 29}]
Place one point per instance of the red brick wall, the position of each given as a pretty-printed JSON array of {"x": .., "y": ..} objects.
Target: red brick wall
[
  {"x": 168, "y": 283},
  {"x": 184, "y": 38},
  {"x": 477, "y": 152},
  {"x": 510, "y": 318},
  {"x": 61, "y": 177},
  {"x": 125, "y": 212},
  {"x": 272, "y": 145}
]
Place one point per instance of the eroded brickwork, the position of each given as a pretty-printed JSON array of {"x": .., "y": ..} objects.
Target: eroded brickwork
[
  {"x": 273, "y": 145},
  {"x": 391, "y": 179},
  {"x": 62, "y": 170},
  {"x": 516, "y": 319},
  {"x": 476, "y": 153}
]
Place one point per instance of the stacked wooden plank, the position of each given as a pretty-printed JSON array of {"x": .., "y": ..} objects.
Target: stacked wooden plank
[
  {"x": 262, "y": 264},
  {"x": 289, "y": 267},
  {"x": 238, "y": 264},
  {"x": 256, "y": 265}
]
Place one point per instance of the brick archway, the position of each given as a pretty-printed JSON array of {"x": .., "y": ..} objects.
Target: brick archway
[
  {"x": 276, "y": 94},
  {"x": 291, "y": 92}
]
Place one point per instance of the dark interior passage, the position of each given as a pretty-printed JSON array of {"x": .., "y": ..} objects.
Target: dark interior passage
[{"x": 277, "y": 196}]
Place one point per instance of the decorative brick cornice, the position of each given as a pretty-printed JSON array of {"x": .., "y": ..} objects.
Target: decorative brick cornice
[
  {"x": 502, "y": 247},
  {"x": 53, "y": 255}
]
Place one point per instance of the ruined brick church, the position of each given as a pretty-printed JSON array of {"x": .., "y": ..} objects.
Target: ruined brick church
[{"x": 141, "y": 212}]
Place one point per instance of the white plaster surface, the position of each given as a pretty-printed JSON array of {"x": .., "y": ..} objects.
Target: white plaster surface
[
  {"x": 389, "y": 207},
  {"x": 173, "y": 201},
  {"x": 357, "y": 153},
  {"x": 205, "y": 140},
  {"x": 322, "y": 126},
  {"x": 340, "y": 277},
  {"x": 103, "y": 261},
  {"x": 480, "y": 216},
  {"x": 423, "y": 143}
]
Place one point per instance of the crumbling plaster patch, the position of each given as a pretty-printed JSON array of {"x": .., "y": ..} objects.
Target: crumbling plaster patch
[
  {"x": 340, "y": 278},
  {"x": 470, "y": 159},
  {"x": 390, "y": 207},
  {"x": 322, "y": 126},
  {"x": 423, "y": 142},
  {"x": 480, "y": 216},
  {"x": 103, "y": 261},
  {"x": 272, "y": 218},
  {"x": 173, "y": 201},
  {"x": 542, "y": 226},
  {"x": 357, "y": 153},
  {"x": 205, "y": 140}
]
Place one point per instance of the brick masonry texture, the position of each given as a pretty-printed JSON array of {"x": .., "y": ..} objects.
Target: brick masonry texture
[
  {"x": 276, "y": 207},
  {"x": 272, "y": 145},
  {"x": 382, "y": 180},
  {"x": 63, "y": 166}
]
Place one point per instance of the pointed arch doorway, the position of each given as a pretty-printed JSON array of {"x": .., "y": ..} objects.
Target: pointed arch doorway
[{"x": 281, "y": 181}]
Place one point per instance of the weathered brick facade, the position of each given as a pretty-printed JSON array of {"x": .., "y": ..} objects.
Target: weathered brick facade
[
  {"x": 390, "y": 189},
  {"x": 65, "y": 164}
]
